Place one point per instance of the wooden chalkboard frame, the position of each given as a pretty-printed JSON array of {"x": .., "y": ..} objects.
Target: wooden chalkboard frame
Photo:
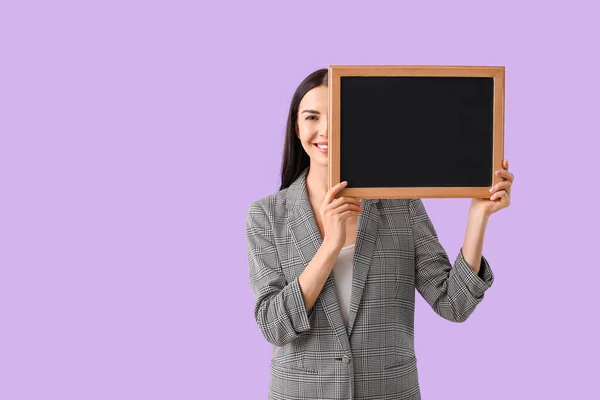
[{"x": 336, "y": 72}]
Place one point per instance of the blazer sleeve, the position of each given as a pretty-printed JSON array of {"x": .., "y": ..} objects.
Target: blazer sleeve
[
  {"x": 453, "y": 293},
  {"x": 280, "y": 310}
]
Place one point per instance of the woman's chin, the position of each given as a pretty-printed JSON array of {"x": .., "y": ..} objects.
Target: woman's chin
[{"x": 321, "y": 162}]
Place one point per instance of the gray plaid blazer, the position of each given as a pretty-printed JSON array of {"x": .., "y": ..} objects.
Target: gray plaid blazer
[{"x": 315, "y": 355}]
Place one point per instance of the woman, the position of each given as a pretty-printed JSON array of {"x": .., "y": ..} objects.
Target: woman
[{"x": 334, "y": 278}]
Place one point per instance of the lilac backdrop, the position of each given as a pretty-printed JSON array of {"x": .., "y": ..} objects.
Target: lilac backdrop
[{"x": 135, "y": 135}]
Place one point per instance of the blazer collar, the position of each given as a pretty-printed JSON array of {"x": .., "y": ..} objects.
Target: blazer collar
[{"x": 307, "y": 238}]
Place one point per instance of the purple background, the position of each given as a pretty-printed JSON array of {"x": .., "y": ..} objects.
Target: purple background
[{"x": 135, "y": 135}]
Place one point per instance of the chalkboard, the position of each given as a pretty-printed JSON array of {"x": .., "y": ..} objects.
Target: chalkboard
[{"x": 415, "y": 131}]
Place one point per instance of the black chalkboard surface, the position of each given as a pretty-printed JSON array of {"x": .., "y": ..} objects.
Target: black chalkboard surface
[{"x": 400, "y": 131}]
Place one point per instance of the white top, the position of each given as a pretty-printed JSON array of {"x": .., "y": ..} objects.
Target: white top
[{"x": 342, "y": 274}]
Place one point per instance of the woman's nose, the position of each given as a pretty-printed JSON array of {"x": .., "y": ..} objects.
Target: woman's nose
[{"x": 323, "y": 126}]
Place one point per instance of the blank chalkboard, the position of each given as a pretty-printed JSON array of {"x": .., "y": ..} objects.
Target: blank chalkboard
[{"x": 399, "y": 131}]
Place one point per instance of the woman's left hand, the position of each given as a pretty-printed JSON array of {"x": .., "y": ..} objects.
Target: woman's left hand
[{"x": 500, "y": 197}]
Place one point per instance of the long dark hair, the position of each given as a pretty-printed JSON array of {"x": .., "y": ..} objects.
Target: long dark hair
[{"x": 295, "y": 159}]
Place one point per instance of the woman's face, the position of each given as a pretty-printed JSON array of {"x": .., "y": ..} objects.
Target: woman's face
[{"x": 312, "y": 124}]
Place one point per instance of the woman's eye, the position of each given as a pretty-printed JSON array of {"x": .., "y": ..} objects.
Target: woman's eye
[{"x": 310, "y": 117}]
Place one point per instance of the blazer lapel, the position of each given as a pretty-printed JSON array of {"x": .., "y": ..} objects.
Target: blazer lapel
[
  {"x": 366, "y": 234},
  {"x": 307, "y": 238}
]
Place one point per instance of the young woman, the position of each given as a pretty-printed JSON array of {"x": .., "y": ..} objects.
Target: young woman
[{"x": 334, "y": 279}]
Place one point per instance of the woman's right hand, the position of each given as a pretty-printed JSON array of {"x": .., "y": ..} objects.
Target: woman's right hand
[{"x": 334, "y": 213}]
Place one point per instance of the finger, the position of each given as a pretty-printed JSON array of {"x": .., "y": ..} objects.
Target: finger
[
  {"x": 330, "y": 195},
  {"x": 505, "y": 174},
  {"x": 346, "y": 206},
  {"x": 341, "y": 200},
  {"x": 347, "y": 214},
  {"x": 505, "y": 163},
  {"x": 504, "y": 185},
  {"x": 500, "y": 194},
  {"x": 495, "y": 196},
  {"x": 505, "y": 199}
]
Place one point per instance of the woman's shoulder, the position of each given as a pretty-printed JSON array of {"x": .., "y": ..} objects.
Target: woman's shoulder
[{"x": 272, "y": 204}]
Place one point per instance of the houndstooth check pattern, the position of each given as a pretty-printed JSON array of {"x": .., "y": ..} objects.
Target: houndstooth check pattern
[{"x": 315, "y": 356}]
